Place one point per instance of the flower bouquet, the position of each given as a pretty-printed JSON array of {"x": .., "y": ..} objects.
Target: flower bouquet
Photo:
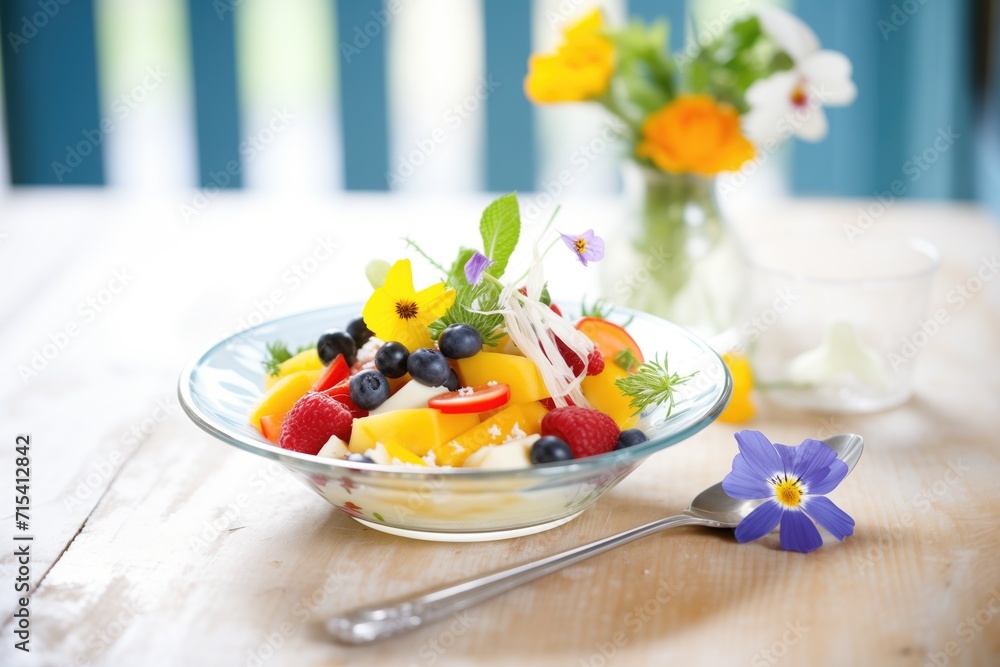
[{"x": 720, "y": 106}]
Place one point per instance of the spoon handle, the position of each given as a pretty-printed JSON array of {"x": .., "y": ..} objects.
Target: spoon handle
[{"x": 373, "y": 623}]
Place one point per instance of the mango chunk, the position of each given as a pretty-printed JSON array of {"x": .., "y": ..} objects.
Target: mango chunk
[
  {"x": 601, "y": 392},
  {"x": 513, "y": 422},
  {"x": 419, "y": 429},
  {"x": 520, "y": 373},
  {"x": 307, "y": 360},
  {"x": 282, "y": 395}
]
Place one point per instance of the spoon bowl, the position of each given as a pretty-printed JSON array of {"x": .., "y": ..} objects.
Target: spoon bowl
[{"x": 712, "y": 508}]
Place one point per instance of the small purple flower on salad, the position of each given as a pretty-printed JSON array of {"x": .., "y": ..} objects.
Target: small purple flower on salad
[
  {"x": 793, "y": 482},
  {"x": 589, "y": 247},
  {"x": 476, "y": 266}
]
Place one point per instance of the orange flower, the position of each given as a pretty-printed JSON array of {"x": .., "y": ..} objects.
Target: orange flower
[
  {"x": 694, "y": 133},
  {"x": 579, "y": 70}
]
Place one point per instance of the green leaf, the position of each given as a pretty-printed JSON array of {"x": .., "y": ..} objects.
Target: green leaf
[
  {"x": 500, "y": 228},
  {"x": 278, "y": 353}
]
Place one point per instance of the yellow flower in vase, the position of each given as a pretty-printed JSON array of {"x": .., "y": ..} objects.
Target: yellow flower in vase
[
  {"x": 397, "y": 312},
  {"x": 579, "y": 69},
  {"x": 695, "y": 134},
  {"x": 740, "y": 408}
]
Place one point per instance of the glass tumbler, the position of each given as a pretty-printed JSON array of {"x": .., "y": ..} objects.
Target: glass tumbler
[{"x": 834, "y": 325}]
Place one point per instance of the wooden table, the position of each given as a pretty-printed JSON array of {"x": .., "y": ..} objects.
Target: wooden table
[{"x": 156, "y": 545}]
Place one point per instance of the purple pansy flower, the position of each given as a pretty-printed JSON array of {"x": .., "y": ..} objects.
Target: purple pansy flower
[
  {"x": 588, "y": 246},
  {"x": 793, "y": 482},
  {"x": 476, "y": 266}
]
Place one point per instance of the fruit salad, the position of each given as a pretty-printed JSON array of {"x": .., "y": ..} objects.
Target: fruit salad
[{"x": 480, "y": 370}]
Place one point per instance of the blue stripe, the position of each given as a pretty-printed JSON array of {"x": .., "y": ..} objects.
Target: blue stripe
[
  {"x": 856, "y": 158},
  {"x": 213, "y": 58},
  {"x": 675, "y": 11},
  {"x": 911, "y": 70},
  {"x": 50, "y": 85},
  {"x": 361, "y": 26},
  {"x": 510, "y": 127}
]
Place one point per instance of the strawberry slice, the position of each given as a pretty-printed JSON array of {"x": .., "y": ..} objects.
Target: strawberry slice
[
  {"x": 480, "y": 398},
  {"x": 337, "y": 371}
]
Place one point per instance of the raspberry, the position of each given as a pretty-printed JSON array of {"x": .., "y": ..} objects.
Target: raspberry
[
  {"x": 312, "y": 420},
  {"x": 595, "y": 362},
  {"x": 587, "y": 431},
  {"x": 551, "y": 404}
]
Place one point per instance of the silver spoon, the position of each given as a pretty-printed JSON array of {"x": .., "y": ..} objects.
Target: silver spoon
[{"x": 712, "y": 508}]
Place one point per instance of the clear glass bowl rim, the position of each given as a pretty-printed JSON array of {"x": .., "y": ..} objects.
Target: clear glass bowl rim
[{"x": 328, "y": 467}]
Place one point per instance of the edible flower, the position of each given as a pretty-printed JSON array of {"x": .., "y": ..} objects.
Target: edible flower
[
  {"x": 397, "y": 312},
  {"x": 793, "y": 482},
  {"x": 793, "y": 100},
  {"x": 476, "y": 266},
  {"x": 588, "y": 246},
  {"x": 740, "y": 408},
  {"x": 580, "y": 68},
  {"x": 694, "y": 133}
]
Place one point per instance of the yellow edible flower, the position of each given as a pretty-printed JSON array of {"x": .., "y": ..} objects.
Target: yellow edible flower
[
  {"x": 579, "y": 69},
  {"x": 397, "y": 312},
  {"x": 740, "y": 408},
  {"x": 696, "y": 134}
]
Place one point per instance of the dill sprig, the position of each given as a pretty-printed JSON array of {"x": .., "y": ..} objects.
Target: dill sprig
[
  {"x": 472, "y": 302},
  {"x": 601, "y": 309},
  {"x": 652, "y": 384},
  {"x": 278, "y": 353}
]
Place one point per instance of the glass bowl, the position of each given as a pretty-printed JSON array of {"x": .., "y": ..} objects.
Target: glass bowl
[{"x": 218, "y": 388}]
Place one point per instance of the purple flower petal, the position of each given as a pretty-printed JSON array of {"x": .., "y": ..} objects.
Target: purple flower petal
[
  {"x": 744, "y": 484},
  {"x": 824, "y": 480},
  {"x": 759, "y": 522},
  {"x": 476, "y": 266},
  {"x": 822, "y": 510},
  {"x": 799, "y": 533},
  {"x": 588, "y": 246},
  {"x": 759, "y": 454},
  {"x": 787, "y": 456},
  {"x": 811, "y": 456}
]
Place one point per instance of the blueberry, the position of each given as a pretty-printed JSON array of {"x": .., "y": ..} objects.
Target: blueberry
[
  {"x": 334, "y": 342},
  {"x": 452, "y": 383},
  {"x": 391, "y": 360},
  {"x": 630, "y": 437},
  {"x": 460, "y": 341},
  {"x": 359, "y": 458},
  {"x": 369, "y": 389},
  {"x": 549, "y": 448},
  {"x": 428, "y": 367},
  {"x": 359, "y": 331}
]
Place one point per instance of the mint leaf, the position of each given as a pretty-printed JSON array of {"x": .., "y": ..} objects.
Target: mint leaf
[{"x": 500, "y": 228}]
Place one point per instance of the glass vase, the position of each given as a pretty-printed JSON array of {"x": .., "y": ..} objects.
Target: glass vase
[{"x": 675, "y": 256}]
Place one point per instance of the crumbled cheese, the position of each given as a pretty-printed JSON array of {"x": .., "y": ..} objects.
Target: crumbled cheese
[
  {"x": 456, "y": 448},
  {"x": 492, "y": 383},
  {"x": 516, "y": 433},
  {"x": 430, "y": 458},
  {"x": 495, "y": 431},
  {"x": 378, "y": 454},
  {"x": 466, "y": 391}
]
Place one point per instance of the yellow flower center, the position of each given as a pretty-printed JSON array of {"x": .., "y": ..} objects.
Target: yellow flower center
[
  {"x": 788, "y": 492},
  {"x": 580, "y": 245},
  {"x": 406, "y": 310}
]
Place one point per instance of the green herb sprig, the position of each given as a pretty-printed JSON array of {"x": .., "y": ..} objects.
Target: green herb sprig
[
  {"x": 652, "y": 384},
  {"x": 278, "y": 353}
]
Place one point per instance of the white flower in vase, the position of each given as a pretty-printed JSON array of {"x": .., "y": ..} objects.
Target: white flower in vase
[{"x": 792, "y": 101}]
